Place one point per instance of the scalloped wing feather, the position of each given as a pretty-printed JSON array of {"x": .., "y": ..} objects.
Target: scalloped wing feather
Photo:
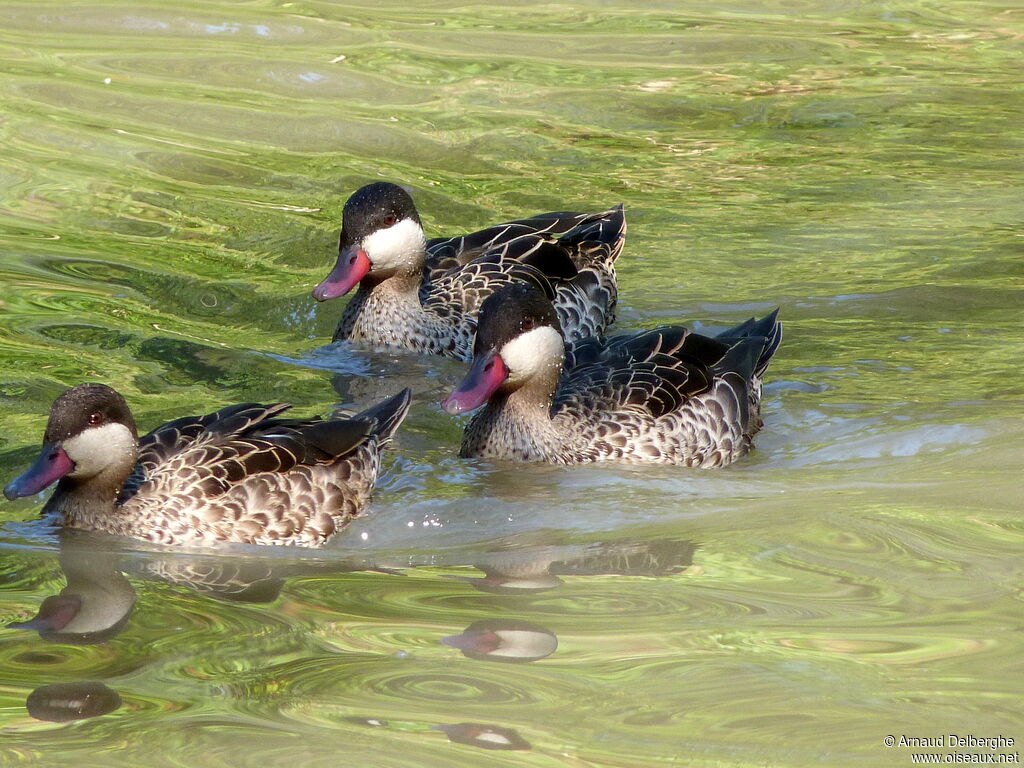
[
  {"x": 652, "y": 371},
  {"x": 447, "y": 253},
  {"x": 168, "y": 439},
  {"x": 210, "y": 466},
  {"x": 269, "y": 481},
  {"x": 582, "y": 267},
  {"x": 594, "y": 246},
  {"x": 463, "y": 290},
  {"x": 276, "y": 490}
]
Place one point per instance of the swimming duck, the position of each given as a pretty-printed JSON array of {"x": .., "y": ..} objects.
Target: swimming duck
[
  {"x": 424, "y": 295},
  {"x": 668, "y": 395},
  {"x": 238, "y": 475}
]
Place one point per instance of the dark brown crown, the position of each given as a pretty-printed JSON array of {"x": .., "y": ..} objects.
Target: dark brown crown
[
  {"x": 511, "y": 311},
  {"x": 85, "y": 406}
]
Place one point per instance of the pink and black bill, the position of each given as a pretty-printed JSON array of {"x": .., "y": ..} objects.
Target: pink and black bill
[
  {"x": 53, "y": 463},
  {"x": 353, "y": 265},
  {"x": 55, "y": 613},
  {"x": 487, "y": 373},
  {"x": 55, "y": 616}
]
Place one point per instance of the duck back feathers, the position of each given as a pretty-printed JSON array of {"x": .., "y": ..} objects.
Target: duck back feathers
[
  {"x": 447, "y": 253},
  {"x": 667, "y": 395},
  {"x": 654, "y": 371},
  {"x": 242, "y": 475}
]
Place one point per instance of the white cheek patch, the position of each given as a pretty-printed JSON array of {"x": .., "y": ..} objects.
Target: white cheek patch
[
  {"x": 399, "y": 245},
  {"x": 532, "y": 352},
  {"x": 97, "y": 448}
]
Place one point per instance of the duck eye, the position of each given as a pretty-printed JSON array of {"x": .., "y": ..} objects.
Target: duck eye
[
  {"x": 95, "y": 418},
  {"x": 390, "y": 219}
]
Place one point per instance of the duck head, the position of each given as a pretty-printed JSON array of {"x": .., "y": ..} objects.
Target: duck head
[
  {"x": 518, "y": 340},
  {"x": 91, "y": 434},
  {"x": 381, "y": 236}
]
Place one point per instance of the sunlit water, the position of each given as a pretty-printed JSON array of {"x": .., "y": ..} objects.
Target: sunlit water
[{"x": 171, "y": 181}]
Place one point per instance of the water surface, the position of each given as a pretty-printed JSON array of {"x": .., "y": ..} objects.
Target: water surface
[{"x": 170, "y": 189}]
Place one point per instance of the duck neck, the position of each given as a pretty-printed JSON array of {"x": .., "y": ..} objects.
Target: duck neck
[
  {"x": 381, "y": 307},
  {"x": 517, "y": 425},
  {"x": 537, "y": 356},
  {"x": 403, "y": 282},
  {"x": 85, "y": 502},
  {"x": 533, "y": 399}
]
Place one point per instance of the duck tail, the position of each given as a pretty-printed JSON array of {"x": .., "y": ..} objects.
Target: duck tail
[
  {"x": 611, "y": 229},
  {"x": 618, "y": 218},
  {"x": 597, "y": 239},
  {"x": 752, "y": 344},
  {"x": 387, "y": 415},
  {"x": 550, "y": 260}
]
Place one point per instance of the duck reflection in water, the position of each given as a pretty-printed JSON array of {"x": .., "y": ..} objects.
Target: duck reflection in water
[
  {"x": 507, "y": 640},
  {"x": 514, "y": 569},
  {"x": 525, "y": 570},
  {"x": 98, "y": 600},
  {"x": 481, "y": 735},
  {"x": 65, "y": 702},
  {"x": 96, "y": 603},
  {"x": 484, "y": 736},
  {"x": 95, "y": 606}
]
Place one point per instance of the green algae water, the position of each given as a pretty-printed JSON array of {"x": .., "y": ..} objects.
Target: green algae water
[{"x": 171, "y": 181}]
